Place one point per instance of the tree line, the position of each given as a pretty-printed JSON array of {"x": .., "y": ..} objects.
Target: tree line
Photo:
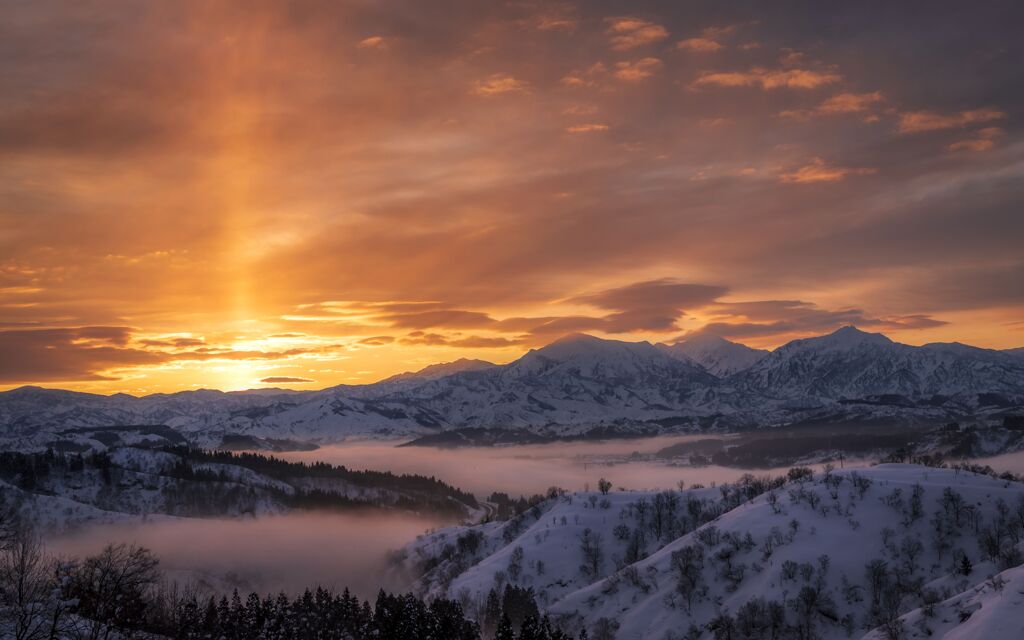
[
  {"x": 121, "y": 592},
  {"x": 202, "y": 490}
]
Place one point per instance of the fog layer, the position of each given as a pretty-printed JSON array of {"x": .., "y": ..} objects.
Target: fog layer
[
  {"x": 267, "y": 554},
  {"x": 295, "y": 551},
  {"x": 528, "y": 469}
]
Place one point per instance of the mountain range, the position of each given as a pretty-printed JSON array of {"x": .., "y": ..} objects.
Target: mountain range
[{"x": 572, "y": 386}]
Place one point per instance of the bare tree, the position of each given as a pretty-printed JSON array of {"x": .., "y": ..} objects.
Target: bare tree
[
  {"x": 515, "y": 564},
  {"x": 688, "y": 563},
  {"x": 590, "y": 547},
  {"x": 28, "y": 593},
  {"x": 113, "y": 589}
]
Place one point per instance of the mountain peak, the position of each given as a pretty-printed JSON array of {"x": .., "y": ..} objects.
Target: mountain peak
[
  {"x": 851, "y": 335},
  {"x": 716, "y": 354},
  {"x": 576, "y": 345},
  {"x": 578, "y": 338},
  {"x": 704, "y": 338},
  {"x": 442, "y": 369}
]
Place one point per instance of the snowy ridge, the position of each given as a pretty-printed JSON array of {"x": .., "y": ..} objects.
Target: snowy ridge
[
  {"x": 852, "y": 364},
  {"x": 718, "y": 355},
  {"x": 57, "y": 492},
  {"x": 572, "y": 386},
  {"x": 440, "y": 370}
]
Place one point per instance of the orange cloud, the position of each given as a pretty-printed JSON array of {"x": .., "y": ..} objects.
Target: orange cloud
[
  {"x": 586, "y": 128},
  {"x": 792, "y": 318},
  {"x": 499, "y": 83},
  {"x": 708, "y": 41},
  {"x": 458, "y": 340},
  {"x": 637, "y": 70},
  {"x": 585, "y": 77},
  {"x": 980, "y": 144},
  {"x": 376, "y": 341},
  {"x": 817, "y": 170},
  {"x": 839, "y": 104},
  {"x": 698, "y": 45},
  {"x": 850, "y": 102},
  {"x": 767, "y": 78},
  {"x": 556, "y": 18},
  {"x": 628, "y": 33},
  {"x": 373, "y": 42},
  {"x": 918, "y": 121},
  {"x": 91, "y": 353},
  {"x": 986, "y": 140}
]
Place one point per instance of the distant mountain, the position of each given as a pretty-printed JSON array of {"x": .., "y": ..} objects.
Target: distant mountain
[
  {"x": 578, "y": 380},
  {"x": 37, "y": 416},
  {"x": 570, "y": 387},
  {"x": 1017, "y": 353},
  {"x": 854, "y": 365},
  {"x": 440, "y": 370},
  {"x": 718, "y": 355}
]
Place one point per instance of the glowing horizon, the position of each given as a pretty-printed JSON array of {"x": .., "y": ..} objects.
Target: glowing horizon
[{"x": 209, "y": 195}]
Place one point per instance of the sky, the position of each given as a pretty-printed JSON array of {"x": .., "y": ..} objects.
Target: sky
[{"x": 243, "y": 194}]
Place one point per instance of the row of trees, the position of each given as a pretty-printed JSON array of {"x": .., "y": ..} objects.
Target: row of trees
[{"x": 407, "y": 484}]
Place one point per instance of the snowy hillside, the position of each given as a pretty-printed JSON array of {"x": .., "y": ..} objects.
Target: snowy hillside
[
  {"x": 835, "y": 555},
  {"x": 540, "y": 548},
  {"x": 568, "y": 388},
  {"x": 718, "y": 355},
  {"x": 61, "y": 491},
  {"x": 989, "y": 610}
]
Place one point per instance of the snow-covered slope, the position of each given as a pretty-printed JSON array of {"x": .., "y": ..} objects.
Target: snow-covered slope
[
  {"x": 834, "y": 556},
  {"x": 990, "y": 610},
  {"x": 718, "y": 355},
  {"x": 546, "y": 540}
]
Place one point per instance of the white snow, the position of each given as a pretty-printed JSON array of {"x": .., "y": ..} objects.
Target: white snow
[
  {"x": 851, "y": 522},
  {"x": 718, "y": 355}
]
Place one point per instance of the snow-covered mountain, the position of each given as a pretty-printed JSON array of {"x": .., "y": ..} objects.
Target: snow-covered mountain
[
  {"x": 718, "y": 355},
  {"x": 576, "y": 380},
  {"x": 574, "y": 385},
  {"x": 898, "y": 549},
  {"x": 36, "y": 416},
  {"x": 853, "y": 365},
  {"x": 440, "y": 370}
]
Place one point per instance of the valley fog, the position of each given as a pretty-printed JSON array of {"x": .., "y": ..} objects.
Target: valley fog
[
  {"x": 267, "y": 554},
  {"x": 529, "y": 469},
  {"x": 292, "y": 552}
]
